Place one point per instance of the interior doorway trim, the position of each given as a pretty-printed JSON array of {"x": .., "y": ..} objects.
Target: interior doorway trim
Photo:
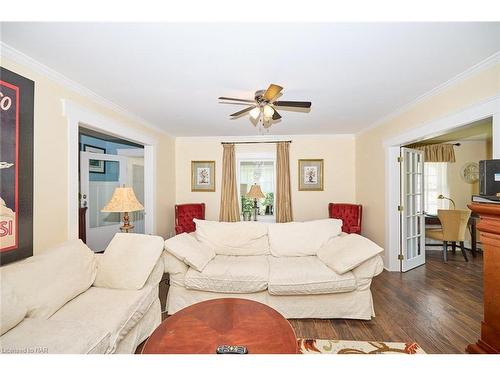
[
  {"x": 479, "y": 111},
  {"x": 77, "y": 116}
]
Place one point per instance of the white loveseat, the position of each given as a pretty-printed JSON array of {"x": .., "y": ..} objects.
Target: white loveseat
[
  {"x": 303, "y": 270},
  {"x": 70, "y": 300}
]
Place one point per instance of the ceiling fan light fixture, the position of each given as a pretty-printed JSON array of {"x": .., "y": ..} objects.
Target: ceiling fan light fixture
[
  {"x": 268, "y": 111},
  {"x": 255, "y": 113}
]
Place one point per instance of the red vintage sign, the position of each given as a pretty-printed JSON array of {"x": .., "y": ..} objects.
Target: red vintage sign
[{"x": 9, "y": 166}]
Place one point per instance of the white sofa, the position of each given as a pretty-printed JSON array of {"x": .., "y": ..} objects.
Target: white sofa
[
  {"x": 70, "y": 300},
  {"x": 303, "y": 270}
]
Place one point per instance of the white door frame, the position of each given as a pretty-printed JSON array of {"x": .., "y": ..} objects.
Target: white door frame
[
  {"x": 484, "y": 109},
  {"x": 79, "y": 116}
]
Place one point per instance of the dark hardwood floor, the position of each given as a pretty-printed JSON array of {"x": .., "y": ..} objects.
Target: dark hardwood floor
[{"x": 437, "y": 305}]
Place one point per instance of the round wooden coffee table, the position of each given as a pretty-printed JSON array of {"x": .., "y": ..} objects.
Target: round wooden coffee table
[{"x": 200, "y": 328}]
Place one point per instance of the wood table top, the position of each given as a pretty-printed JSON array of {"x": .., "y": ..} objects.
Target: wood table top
[{"x": 201, "y": 327}]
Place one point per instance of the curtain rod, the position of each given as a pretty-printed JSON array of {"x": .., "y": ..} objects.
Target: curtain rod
[
  {"x": 432, "y": 144},
  {"x": 252, "y": 142}
]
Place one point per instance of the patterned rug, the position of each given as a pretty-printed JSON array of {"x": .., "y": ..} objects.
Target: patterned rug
[{"x": 319, "y": 346}]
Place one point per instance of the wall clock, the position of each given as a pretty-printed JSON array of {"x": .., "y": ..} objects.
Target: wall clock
[{"x": 470, "y": 172}]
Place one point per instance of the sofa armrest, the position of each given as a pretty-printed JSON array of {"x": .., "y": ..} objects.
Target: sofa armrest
[
  {"x": 175, "y": 268},
  {"x": 173, "y": 265},
  {"x": 369, "y": 268},
  {"x": 156, "y": 274}
]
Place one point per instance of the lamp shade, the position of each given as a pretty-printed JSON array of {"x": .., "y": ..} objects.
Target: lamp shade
[
  {"x": 255, "y": 192},
  {"x": 255, "y": 113},
  {"x": 123, "y": 200}
]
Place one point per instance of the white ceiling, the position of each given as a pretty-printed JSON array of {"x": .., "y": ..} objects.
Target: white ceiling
[{"x": 171, "y": 74}]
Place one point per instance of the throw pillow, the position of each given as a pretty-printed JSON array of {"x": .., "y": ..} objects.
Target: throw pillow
[
  {"x": 346, "y": 252},
  {"x": 188, "y": 249},
  {"x": 128, "y": 261}
]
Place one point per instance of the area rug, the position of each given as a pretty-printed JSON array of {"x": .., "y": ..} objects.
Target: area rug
[{"x": 320, "y": 346}]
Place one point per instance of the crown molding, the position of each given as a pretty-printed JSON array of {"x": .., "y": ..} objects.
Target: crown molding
[
  {"x": 21, "y": 58},
  {"x": 483, "y": 65},
  {"x": 260, "y": 138}
]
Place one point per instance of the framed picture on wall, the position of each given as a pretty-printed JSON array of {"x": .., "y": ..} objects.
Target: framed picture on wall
[
  {"x": 16, "y": 166},
  {"x": 203, "y": 175},
  {"x": 311, "y": 174},
  {"x": 96, "y": 166}
]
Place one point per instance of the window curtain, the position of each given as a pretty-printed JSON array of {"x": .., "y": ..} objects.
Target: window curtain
[
  {"x": 439, "y": 153},
  {"x": 283, "y": 187},
  {"x": 229, "y": 207}
]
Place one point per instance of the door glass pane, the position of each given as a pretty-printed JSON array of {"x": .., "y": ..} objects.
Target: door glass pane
[{"x": 104, "y": 177}]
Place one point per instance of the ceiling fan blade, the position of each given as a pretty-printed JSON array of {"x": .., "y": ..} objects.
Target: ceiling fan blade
[
  {"x": 236, "y": 99},
  {"x": 272, "y": 91},
  {"x": 239, "y": 113},
  {"x": 292, "y": 104},
  {"x": 276, "y": 115}
]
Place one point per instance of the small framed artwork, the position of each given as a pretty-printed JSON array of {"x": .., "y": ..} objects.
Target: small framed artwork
[
  {"x": 96, "y": 166},
  {"x": 203, "y": 175},
  {"x": 311, "y": 174}
]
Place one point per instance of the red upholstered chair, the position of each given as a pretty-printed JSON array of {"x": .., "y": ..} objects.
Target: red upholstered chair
[
  {"x": 184, "y": 215},
  {"x": 350, "y": 214}
]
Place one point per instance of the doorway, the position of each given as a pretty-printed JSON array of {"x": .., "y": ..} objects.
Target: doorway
[
  {"x": 487, "y": 110},
  {"x": 451, "y": 178},
  {"x": 106, "y": 163}
]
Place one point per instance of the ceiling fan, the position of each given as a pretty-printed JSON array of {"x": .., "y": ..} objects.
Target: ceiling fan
[{"x": 263, "y": 106}]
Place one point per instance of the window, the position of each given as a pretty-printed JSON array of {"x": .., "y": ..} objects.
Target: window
[
  {"x": 259, "y": 172},
  {"x": 435, "y": 183}
]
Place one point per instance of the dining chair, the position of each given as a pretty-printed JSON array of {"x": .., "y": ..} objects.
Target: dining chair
[{"x": 453, "y": 226}]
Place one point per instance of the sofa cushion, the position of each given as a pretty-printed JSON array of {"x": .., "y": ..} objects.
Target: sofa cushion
[
  {"x": 239, "y": 238},
  {"x": 128, "y": 260},
  {"x": 302, "y": 238},
  {"x": 191, "y": 251},
  {"x": 45, "y": 282},
  {"x": 346, "y": 252},
  {"x": 42, "y": 336},
  {"x": 230, "y": 274},
  {"x": 12, "y": 310},
  {"x": 114, "y": 310},
  {"x": 306, "y": 275}
]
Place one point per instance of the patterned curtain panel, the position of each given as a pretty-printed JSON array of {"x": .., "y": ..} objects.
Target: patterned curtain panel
[
  {"x": 440, "y": 153},
  {"x": 229, "y": 206},
  {"x": 283, "y": 187}
]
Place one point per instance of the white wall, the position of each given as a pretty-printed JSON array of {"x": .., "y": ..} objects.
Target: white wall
[
  {"x": 468, "y": 151},
  {"x": 370, "y": 153},
  {"x": 338, "y": 152}
]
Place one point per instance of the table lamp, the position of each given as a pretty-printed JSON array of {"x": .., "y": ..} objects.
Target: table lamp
[
  {"x": 255, "y": 193},
  {"x": 124, "y": 200},
  {"x": 441, "y": 196}
]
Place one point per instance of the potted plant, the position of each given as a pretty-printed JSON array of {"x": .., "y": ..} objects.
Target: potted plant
[
  {"x": 246, "y": 208},
  {"x": 269, "y": 203}
]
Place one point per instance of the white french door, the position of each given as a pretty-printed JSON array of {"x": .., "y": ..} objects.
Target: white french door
[
  {"x": 411, "y": 209},
  {"x": 100, "y": 174},
  {"x": 135, "y": 175}
]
